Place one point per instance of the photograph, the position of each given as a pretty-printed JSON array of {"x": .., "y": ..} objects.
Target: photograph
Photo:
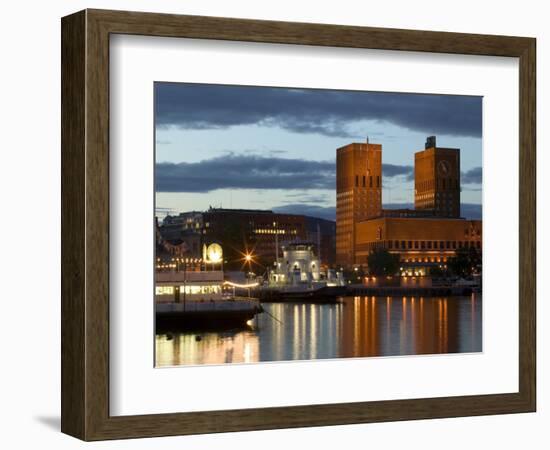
[{"x": 303, "y": 224}]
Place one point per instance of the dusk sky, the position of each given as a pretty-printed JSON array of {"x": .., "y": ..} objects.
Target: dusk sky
[{"x": 275, "y": 148}]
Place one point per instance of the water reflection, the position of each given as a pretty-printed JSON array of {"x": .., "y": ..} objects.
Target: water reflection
[{"x": 359, "y": 327}]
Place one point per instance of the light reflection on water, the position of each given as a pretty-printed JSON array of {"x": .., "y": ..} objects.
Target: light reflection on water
[{"x": 359, "y": 327}]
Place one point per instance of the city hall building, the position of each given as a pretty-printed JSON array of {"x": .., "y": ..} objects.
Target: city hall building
[{"x": 424, "y": 236}]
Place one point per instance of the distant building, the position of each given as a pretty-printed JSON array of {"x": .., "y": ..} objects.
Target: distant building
[
  {"x": 422, "y": 237},
  {"x": 180, "y": 235},
  {"x": 173, "y": 227},
  {"x": 252, "y": 231},
  {"x": 242, "y": 231}
]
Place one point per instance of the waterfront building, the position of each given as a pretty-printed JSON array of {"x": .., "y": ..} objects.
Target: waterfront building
[
  {"x": 423, "y": 237},
  {"x": 358, "y": 193},
  {"x": 421, "y": 243}
]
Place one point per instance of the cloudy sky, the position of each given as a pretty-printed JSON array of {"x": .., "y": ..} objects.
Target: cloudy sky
[{"x": 275, "y": 148}]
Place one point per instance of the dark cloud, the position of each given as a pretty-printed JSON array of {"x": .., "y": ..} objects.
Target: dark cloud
[
  {"x": 245, "y": 172},
  {"x": 232, "y": 171},
  {"x": 393, "y": 170},
  {"x": 328, "y": 212},
  {"x": 277, "y": 152},
  {"x": 304, "y": 197},
  {"x": 326, "y": 112},
  {"x": 472, "y": 176}
]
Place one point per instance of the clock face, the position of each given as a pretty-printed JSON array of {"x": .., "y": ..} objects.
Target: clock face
[{"x": 444, "y": 168}]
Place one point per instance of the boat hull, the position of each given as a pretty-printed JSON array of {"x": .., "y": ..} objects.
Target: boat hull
[{"x": 206, "y": 315}]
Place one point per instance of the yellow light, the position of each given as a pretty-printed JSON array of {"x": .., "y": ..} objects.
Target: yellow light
[
  {"x": 230, "y": 283},
  {"x": 214, "y": 253},
  {"x": 248, "y": 257}
]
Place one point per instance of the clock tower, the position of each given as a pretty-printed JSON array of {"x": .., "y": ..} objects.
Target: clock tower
[{"x": 437, "y": 179}]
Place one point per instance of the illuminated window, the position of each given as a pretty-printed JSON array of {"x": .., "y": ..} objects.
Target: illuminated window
[
  {"x": 164, "y": 290},
  {"x": 198, "y": 289}
]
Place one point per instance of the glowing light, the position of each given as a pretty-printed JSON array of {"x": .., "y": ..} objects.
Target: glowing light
[
  {"x": 230, "y": 283},
  {"x": 214, "y": 253},
  {"x": 248, "y": 257}
]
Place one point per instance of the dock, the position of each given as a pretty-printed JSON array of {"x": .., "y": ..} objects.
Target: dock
[
  {"x": 404, "y": 291},
  {"x": 334, "y": 294},
  {"x": 323, "y": 295}
]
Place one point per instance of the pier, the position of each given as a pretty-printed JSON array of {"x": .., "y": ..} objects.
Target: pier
[{"x": 402, "y": 291}]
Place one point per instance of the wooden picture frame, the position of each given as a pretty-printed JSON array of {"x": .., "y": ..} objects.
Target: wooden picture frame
[{"x": 85, "y": 224}]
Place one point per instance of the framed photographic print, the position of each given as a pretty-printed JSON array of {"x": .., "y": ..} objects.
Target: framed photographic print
[{"x": 272, "y": 224}]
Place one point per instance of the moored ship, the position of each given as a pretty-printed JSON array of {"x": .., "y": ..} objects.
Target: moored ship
[
  {"x": 298, "y": 276},
  {"x": 197, "y": 298}
]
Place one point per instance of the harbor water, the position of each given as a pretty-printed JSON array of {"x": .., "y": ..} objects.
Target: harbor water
[{"x": 357, "y": 327}]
